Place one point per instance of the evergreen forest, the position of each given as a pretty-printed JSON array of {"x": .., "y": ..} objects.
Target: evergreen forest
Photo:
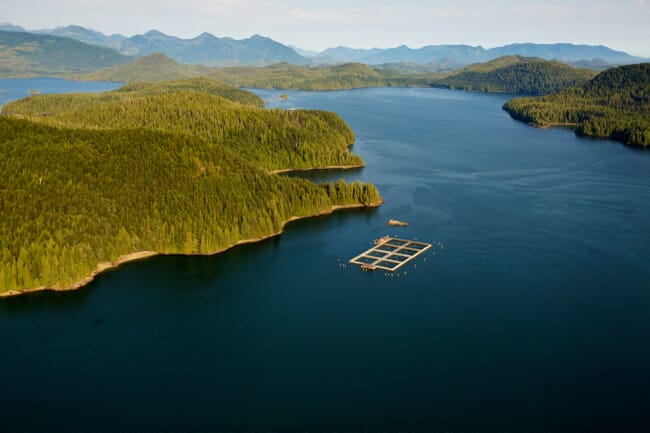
[
  {"x": 272, "y": 139},
  {"x": 615, "y": 104},
  {"x": 176, "y": 168},
  {"x": 515, "y": 74}
]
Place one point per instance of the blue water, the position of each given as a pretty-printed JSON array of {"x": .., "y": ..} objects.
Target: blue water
[
  {"x": 17, "y": 88},
  {"x": 535, "y": 316}
]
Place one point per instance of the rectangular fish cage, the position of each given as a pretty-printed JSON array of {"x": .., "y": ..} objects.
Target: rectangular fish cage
[{"x": 390, "y": 254}]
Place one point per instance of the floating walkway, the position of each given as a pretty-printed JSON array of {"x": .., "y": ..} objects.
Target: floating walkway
[{"x": 389, "y": 254}]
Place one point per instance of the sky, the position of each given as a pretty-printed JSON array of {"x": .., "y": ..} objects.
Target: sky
[{"x": 316, "y": 25}]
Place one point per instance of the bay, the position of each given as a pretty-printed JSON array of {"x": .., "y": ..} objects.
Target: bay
[
  {"x": 531, "y": 313},
  {"x": 16, "y": 88}
]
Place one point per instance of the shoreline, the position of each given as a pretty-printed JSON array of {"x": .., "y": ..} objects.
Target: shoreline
[
  {"x": 551, "y": 125},
  {"x": 101, "y": 267},
  {"x": 141, "y": 255},
  {"x": 327, "y": 167}
]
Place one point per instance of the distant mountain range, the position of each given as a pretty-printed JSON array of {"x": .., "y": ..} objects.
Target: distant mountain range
[
  {"x": 205, "y": 49},
  {"x": 211, "y": 50},
  {"x": 466, "y": 54}
]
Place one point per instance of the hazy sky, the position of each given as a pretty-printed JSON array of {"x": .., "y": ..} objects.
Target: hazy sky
[{"x": 620, "y": 24}]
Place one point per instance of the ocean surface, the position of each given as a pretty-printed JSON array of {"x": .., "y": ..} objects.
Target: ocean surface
[{"x": 531, "y": 312}]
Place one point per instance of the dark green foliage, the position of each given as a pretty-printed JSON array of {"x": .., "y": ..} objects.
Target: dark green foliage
[
  {"x": 152, "y": 68},
  {"x": 508, "y": 74},
  {"x": 273, "y": 139},
  {"x": 615, "y": 104},
  {"x": 76, "y": 193},
  {"x": 30, "y": 55},
  {"x": 514, "y": 74}
]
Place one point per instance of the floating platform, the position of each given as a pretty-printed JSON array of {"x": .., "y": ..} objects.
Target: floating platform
[{"x": 389, "y": 254}]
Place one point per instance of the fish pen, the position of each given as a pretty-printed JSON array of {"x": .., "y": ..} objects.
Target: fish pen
[{"x": 389, "y": 254}]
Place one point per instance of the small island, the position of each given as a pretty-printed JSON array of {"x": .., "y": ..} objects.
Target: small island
[{"x": 397, "y": 223}]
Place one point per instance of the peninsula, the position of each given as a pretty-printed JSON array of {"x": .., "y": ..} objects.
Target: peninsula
[
  {"x": 183, "y": 167},
  {"x": 615, "y": 104}
]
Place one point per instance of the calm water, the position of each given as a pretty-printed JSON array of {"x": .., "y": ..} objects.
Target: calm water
[
  {"x": 13, "y": 88},
  {"x": 535, "y": 316}
]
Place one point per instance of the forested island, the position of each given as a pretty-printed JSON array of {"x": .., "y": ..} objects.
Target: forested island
[
  {"x": 171, "y": 168},
  {"x": 615, "y": 104}
]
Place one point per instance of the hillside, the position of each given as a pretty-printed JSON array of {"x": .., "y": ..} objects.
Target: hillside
[
  {"x": 615, "y": 104},
  {"x": 155, "y": 67},
  {"x": 272, "y": 139},
  {"x": 286, "y": 76},
  {"x": 30, "y": 55},
  {"x": 93, "y": 189},
  {"x": 199, "y": 84},
  {"x": 159, "y": 67},
  {"x": 508, "y": 74},
  {"x": 330, "y": 77},
  {"x": 515, "y": 74}
]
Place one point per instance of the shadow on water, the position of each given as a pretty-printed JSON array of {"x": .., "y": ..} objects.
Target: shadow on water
[
  {"x": 199, "y": 272},
  {"x": 57, "y": 302},
  {"x": 327, "y": 175}
]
